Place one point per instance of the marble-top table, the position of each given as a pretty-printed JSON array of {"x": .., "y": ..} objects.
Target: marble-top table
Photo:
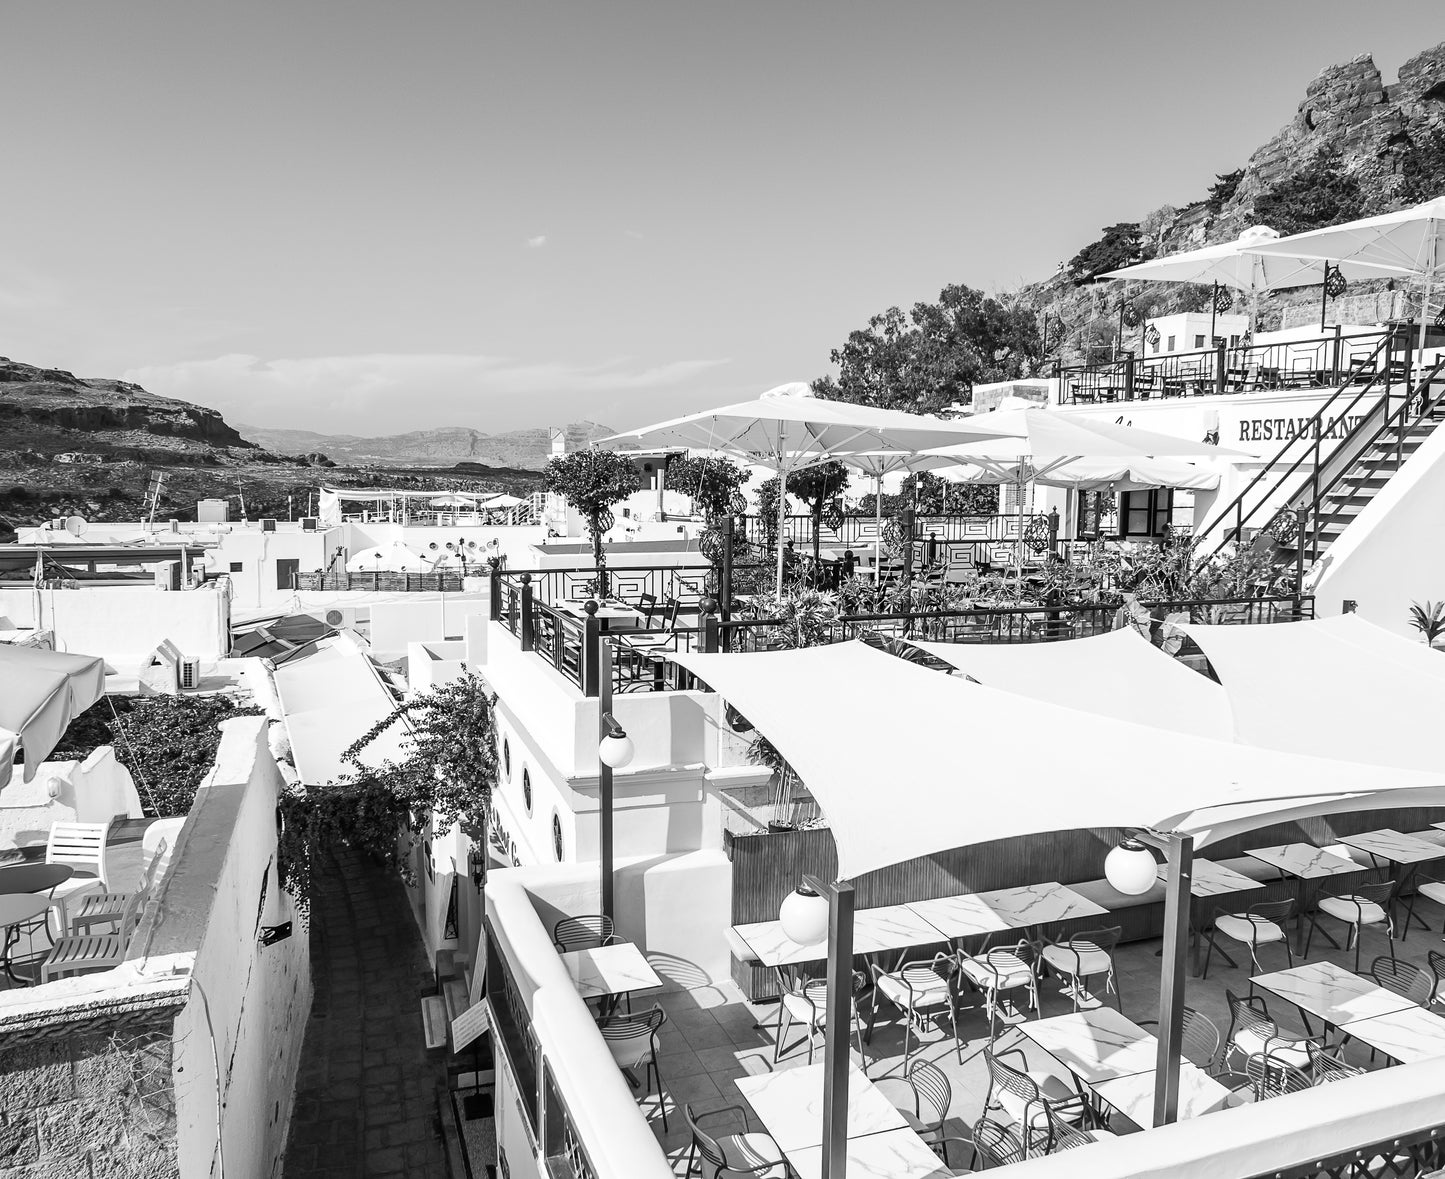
[
  {"x": 1209, "y": 879},
  {"x": 610, "y": 970},
  {"x": 889, "y": 927},
  {"x": 790, "y": 1105},
  {"x": 893, "y": 1154},
  {"x": 1005, "y": 908},
  {"x": 1331, "y": 992},
  {"x": 1394, "y": 846},
  {"x": 1133, "y": 1096},
  {"x": 1096, "y": 1045},
  {"x": 612, "y": 616},
  {"x": 1409, "y": 1035},
  {"x": 1304, "y": 860}
]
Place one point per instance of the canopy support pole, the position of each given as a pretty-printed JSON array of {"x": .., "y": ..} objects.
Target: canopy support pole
[
  {"x": 838, "y": 1028},
  {"x": 782, "y": 502},
  {"x": 877, "y": 525},
  {"x": 1179, "y": 850}
]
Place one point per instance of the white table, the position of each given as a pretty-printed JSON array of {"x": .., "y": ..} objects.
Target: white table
[
  {"x": 1304, "y": 861},
  {"x": 1133, "y": 1096},
  {"x": 888, "y": 927},
  {"x": 1409, "y": 1035},
  {"x": 880, "y": 1145},
  {"x": 612, "y": 617},
  {"x": 610, "y": 970},
  {"x": 1332, "y": 993},
  {"x": 1209, "y": 879},
  {"x": 1005, "y": 908},
  {"x": 1097, "y": 1045},
  {"x": 1393, "y": 846}
]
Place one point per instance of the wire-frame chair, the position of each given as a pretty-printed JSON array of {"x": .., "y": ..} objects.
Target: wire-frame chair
[
  {"x": 1366, "y": 904},
  {"x": 1428, "y": 884},
  {"x": 751, "y": 1153},
  {"x": 917, "y": 989},
  {"x": 1004, "y": 968},
  {"x": 1201, "y": 1040},
  {"x": 1326, "y": 1067},
  {"x": 1259, "y": 925},
  {"x": 995, "y": 1145},
  {"x": 1027, "y": 1097},
  {"x": 583, "y": 933},
  {"x": 1272, "y": 1077},
  {"x": 632, "y": 1040},
  {"x": 1253, "y": 1033},
  {"x": 1404, "y": 979},
  {"x": 1436, "y": 959},
  {"x": 932, "y": 1097},
  {"x": 1084, "y": 955},
  {"x": 1062, "y": 1136},
  {"x": 808, "y": 1003}
]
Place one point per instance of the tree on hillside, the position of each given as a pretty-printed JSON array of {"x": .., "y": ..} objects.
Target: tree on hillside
[
  {"x": 1222, "y": 191},
  {"x": 1422, "y": 167},
  {"x": 1320, "y": 194},
  {"x": 592, "y": 481},
  {"x": 931, "y": 358},
  {"x": 1121, "y": 245}
]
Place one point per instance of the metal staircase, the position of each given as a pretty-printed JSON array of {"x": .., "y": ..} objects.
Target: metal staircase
[{"x": 1307, "y": 494}]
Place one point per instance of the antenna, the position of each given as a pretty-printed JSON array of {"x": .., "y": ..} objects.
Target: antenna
[{"x": 155, "y": 485}]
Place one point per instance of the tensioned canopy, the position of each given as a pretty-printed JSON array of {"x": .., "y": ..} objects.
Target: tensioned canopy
[
  {"x": 1119, "y": 675},
  {"x": 906, "y": 762},
  {"x": 41, "y": 692},
  {"x": 1336, "y": 686}
]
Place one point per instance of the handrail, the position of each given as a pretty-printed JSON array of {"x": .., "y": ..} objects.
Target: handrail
[{"x": 1310, "y": 431}]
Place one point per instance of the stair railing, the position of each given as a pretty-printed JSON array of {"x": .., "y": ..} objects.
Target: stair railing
[{"x": 1260, "y": 490}]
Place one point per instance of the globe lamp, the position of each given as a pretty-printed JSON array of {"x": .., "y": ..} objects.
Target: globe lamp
[
  {"x": 615, "y": 750},
  {"x": 804, "y": 916},
  {"x": 1130, "y": 869}
]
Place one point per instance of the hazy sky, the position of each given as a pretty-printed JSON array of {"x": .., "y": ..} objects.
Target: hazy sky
[{"x": 371, "y": 217}]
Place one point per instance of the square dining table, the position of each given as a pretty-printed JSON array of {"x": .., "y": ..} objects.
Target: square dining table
[
  {"x": 875, "y": 931},
  {"x": 603, "y": 971},
  {"x": 1133, "y": 1096},
  {"x": 1407, "y": 852},
  {"x": 1307, "y": 864},
  {"x": 1333, "y": 994},
  {"x": 892, "y": 1154},
  {"x": 611, "y": 616},
  {"x": 789, "y": 1103},
  {"x": 1095, "y": 1045},
  {"x": 1003, "y": 909},
  {"x": 1409, "y": 1035}
]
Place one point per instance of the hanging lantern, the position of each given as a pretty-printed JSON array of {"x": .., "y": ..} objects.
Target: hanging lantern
[
  {"x": 1334, "y": 282},
  {"x": 1223, "y": 299},
  {"x": 1130, "y": 315},
  {"x": 1151, "y": 333}
]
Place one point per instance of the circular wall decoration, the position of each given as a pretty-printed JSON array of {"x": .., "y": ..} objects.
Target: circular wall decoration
[
  {"x": 506, "y": 758},
  {"x": 527, "y": 789},
  {"x": 557, "y": 836}
]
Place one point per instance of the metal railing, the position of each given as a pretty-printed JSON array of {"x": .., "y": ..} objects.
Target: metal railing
[
  {"x": 859, "y": 531},
  {"x": 1323, "y": 362}
]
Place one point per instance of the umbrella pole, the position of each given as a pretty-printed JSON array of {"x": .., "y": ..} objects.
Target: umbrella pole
[
  {"x": 1213, "y": 311},
  {"x": 877, "y": 525},
  {"x": 1019, "y": 542},
  {"x": 782, "y": 506}
]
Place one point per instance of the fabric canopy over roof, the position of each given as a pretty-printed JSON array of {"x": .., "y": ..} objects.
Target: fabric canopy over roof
[
  {"x": 906, "y": 762},
  {"x": 1119, "y": 674},
  {"x": 1340, "y": 686},
  {"x": 41, "y": 692}
]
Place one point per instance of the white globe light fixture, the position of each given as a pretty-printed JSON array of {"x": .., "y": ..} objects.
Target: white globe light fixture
[
  {"x": 804, "y": 916},
  {"x": 615, "y": 750},
  {"x": 1130, "y": 868}
]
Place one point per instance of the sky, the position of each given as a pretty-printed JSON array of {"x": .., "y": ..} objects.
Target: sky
[{"x": 369, "y": 217}]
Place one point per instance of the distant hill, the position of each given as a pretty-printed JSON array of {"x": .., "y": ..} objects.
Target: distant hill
[{"x": 444, "y": 446}]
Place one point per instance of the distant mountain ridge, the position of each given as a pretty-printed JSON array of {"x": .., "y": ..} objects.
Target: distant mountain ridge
[{"x": 443, "y": 446}]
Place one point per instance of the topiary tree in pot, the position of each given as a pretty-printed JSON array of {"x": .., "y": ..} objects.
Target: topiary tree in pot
[
  {"x": 715, "y": 486},
  {"x": 592, "y": 481}
]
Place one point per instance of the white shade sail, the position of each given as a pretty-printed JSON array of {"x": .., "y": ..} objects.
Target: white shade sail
[
  {"x": 1119, "y": 675},
  {"x": 1242, "y": 265},
  {"x": 906, "y": 761},
  {"x": 1340, "y": 686},
  {"x": 41, "y": 692}
]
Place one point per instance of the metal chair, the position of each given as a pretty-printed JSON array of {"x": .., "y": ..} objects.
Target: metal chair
[
  {"x": 583, "y": 933},
  {"x": 916, "y": 989},
  {"x": 749, "y": 1153},
  {"x": 932, "y": 1096},
  {"x": 1326, "y": 1067},
  {"x": 1272, "y": 1077},
  {"x": 1083, "y": 955},
  {"x": 1253, "y": 1033},
  {"x": 632, "y": 1040},
  {"x": 20, "y": 913},
  {"x": 1436, "y": 959},
  {"x": 995, "y": 1145},
  {"x": 1028, "y": 1096},
  {"x": 808, "y": 1003},
  {"x": 1259, "y": 925},
  {"x": 1366, "y": 904},
  {"x": 1003, "y": 968},
  {"x": 1062, "y": 1136},
  {"x": 1404, "y": 979},
  {"x": 1201, "y": 1039}
]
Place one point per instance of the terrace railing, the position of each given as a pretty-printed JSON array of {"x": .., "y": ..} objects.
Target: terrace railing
[
  {"x": 1325, "y": 361},
  {"x": 859, "y": 531},
  {"x": 394, "y": 583}
]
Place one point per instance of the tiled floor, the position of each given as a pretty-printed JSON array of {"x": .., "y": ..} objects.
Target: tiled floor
[{"x": 711, "y": 1038}]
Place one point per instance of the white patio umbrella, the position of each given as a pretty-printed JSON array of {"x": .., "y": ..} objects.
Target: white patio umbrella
[
  {"x": 1411, "y": 241},
  {"x": 452, "y": 499},
  {"x": 788, "y": 429},
  {"x": 41, "y": 692},
  {"x": 1244, "y": 266}
]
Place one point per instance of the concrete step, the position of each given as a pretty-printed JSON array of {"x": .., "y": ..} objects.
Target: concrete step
[
  {"x": 454, "y": 994},
  {"x": 434, "y": 1020}
]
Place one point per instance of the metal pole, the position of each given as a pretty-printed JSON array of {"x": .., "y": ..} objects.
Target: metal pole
[
  {"x": 837, "y": 1034},
  {"x": 1213, "y": 311},
  {"x": 604, "y": 774},
  {"x": 1180, "y": 851}
]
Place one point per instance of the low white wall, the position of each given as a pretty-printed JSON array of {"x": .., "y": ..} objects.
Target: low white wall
[
  {"x": 248, "y": 1003},
  {"x": 95, "y": 790},
  {"x": 1391, "y": 554},
  {"x": 124, "y": 624},
  {"x": 397, "y": 623},
  {"x": 430, "y": 665}
]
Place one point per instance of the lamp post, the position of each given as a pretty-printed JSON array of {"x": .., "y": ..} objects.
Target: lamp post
[
  {"x": 1131, "y": 869},
  {"x": 807, "y": 914},
  {"x": 614, "y": 752}
]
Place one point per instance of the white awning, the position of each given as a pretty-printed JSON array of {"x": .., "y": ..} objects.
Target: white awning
[
  {"x": 906, "y": 761},
  {"x": 1119, "y": 674},
  {"x": 1342, "y": 687},
  {"x": 41, "y": 692}
]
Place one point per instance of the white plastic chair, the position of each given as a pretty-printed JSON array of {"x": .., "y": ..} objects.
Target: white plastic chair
[
  {"x": 102, "y": 908},
  {"x": 76, "y": 953},
  {"x": 83, "y": 847}
]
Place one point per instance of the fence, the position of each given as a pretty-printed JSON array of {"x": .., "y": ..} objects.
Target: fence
[
  {"x": 860, "y": 531},
  {"x": 1325, "y": 361},
  {"x": 394, "y": 583}
]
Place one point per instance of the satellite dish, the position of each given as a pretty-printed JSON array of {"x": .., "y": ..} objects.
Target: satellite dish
[{"x": 76, "y": 525}]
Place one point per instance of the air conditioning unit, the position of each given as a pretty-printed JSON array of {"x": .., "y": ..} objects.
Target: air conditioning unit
[
  {"x": 346, "y": 616},
  {"x": 308, "y": 523},
  {"x": 268, "y": 525},
  {"x": 168, "y": 575},
  {"x": 190, "y": 674}
]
